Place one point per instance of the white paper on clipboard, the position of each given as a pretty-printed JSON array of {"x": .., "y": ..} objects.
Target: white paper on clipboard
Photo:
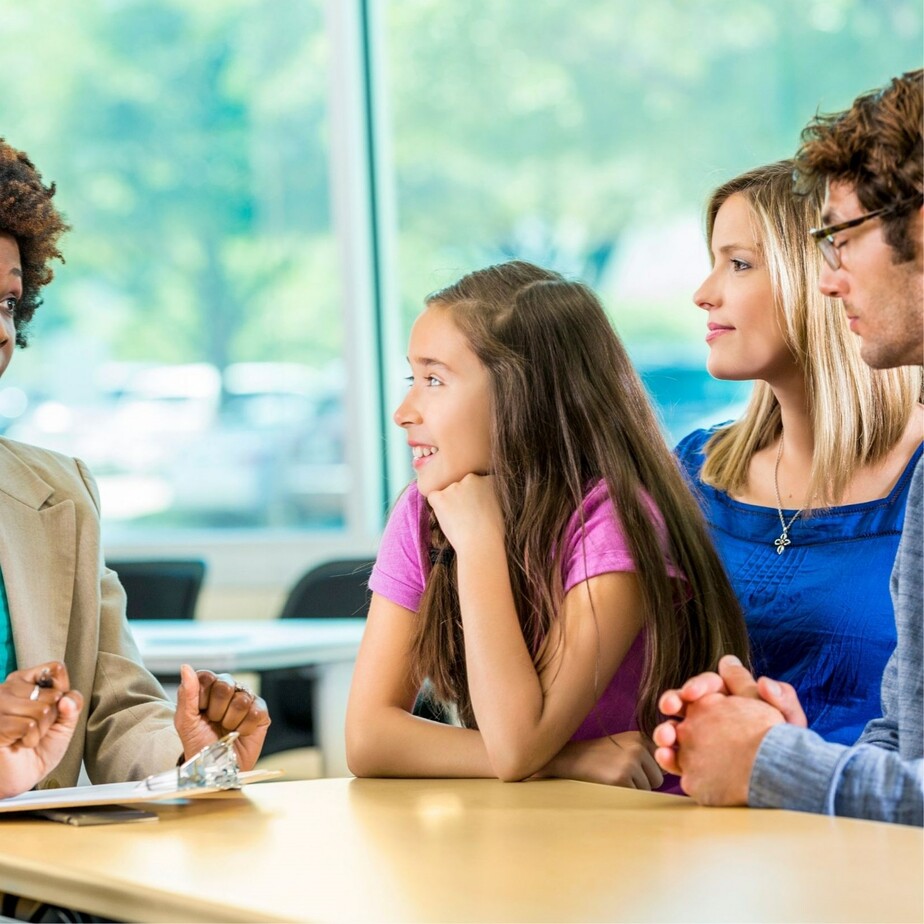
[{"x": 117, "y": 793}]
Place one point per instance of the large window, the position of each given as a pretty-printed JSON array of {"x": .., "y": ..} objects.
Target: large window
[
  {"x": 585, "y": 137},
  {"x": 204, "y": 348},
  {"x": 190, "y": 349}
]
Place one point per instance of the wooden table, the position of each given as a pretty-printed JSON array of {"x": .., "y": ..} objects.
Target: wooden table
[
  {"x": 469, "y": 850},
  {"x": 327, "y": 645}
]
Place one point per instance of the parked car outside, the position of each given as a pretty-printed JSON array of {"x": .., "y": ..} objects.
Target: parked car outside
[{"x": 272, "y": 456}]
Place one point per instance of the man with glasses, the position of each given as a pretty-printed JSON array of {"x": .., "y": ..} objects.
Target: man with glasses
[
  {"x": 735, "y": 741},
  {"x": 830, "y": 247}
]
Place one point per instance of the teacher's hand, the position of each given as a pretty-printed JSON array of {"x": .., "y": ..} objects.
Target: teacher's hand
[
  {"x": 37, "y": 723},
  {"x": 208, "y": 706}
]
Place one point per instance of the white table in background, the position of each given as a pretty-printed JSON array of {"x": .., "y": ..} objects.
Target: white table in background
[{"x": 329, "y": 646}]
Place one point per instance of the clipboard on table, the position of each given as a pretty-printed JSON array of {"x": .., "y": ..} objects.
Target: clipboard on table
[
  {"x": 118, "y": 794},
  {"x": 213, "y": 769}
]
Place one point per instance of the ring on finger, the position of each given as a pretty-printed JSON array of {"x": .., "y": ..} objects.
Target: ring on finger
[{"x": 34, "y": 695}]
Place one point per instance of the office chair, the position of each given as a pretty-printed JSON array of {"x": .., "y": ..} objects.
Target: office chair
[
  {"x": 331, "y": 590},
  {"x": 160, "y": 589},
  {"x": 335, "y": 589}
]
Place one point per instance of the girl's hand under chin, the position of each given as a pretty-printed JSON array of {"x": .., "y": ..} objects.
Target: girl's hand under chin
[{"x": 468, "y": 512}]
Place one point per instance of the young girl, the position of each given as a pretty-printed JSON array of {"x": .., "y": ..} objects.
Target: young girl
[
  {"x": 806, "y": 492},
  {"x": 549, "y": 573}
]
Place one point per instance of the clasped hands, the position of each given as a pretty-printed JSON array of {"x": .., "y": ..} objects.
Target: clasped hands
[
  {"x": 718, "y": 721},
  {"x": 39, "y": 714}
]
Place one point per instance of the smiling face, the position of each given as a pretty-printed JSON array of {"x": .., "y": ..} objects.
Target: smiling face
[
  {"x": 883, "y": 300},
  {"x": 744, "y": 329},
  {"x": 10, "y": 296},
  {"x": 447, "y": 410}
]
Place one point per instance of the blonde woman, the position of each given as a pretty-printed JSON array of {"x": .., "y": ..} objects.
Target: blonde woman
[{"x": 806, "y": 492}]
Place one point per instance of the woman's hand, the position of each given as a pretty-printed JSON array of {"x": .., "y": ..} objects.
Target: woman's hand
[
  {"x": 618, "y": 760},
  {"x": 38, "y": 715},
  {"x": 468, "y": 511},
  {"x": 208, "y": 706}
]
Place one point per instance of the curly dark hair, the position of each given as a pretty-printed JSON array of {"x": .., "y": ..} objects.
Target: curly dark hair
[
  {"x": 877, "y": 147},
  {"x": 28, "y": 214}
]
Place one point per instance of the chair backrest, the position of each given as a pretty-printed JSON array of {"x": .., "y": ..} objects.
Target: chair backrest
[
  {"x": 334, "y": 589},
  {"x": 160, "y": 589}
]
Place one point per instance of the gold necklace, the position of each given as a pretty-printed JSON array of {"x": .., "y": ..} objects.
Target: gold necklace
[{"x": 784, "y": 539}]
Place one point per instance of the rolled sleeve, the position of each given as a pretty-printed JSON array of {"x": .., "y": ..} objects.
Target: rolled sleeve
[{"x": 796, "y": 769}]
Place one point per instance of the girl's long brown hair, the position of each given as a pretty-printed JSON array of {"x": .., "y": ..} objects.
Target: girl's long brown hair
[{"x": 568, "y": 409}]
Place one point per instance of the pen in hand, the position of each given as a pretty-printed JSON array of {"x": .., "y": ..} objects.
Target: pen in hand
[{"x": 44, "y": 682}]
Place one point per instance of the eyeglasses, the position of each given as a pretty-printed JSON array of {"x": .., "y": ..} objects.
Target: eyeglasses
[{"x": 824, "y": 237}]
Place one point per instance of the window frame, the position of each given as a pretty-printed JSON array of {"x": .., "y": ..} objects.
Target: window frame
[{"x": 362, "y": 197}]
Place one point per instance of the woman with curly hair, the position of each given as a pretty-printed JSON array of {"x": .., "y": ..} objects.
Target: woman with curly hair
[
  {"x": 64, "y": 640},
  {"x": 28, "y": 215}
]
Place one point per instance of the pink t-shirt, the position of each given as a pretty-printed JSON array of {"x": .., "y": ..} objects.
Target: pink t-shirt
[{"x": 403, "y": 564}]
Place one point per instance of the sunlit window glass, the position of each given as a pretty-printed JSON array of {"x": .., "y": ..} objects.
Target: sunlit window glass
[
  {"x": 586, "y": 136},
  {"x": 190, "y": 349}
]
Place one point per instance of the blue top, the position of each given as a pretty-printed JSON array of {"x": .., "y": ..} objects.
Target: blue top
[
  {"x": 7, "y": 651},
  {"x": 882, "y": 776},
  {"x": 819, "y": 615}
]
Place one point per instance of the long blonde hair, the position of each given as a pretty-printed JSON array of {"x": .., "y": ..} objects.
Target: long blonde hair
[
  {"x": 568, "y": 410},
  {"x": 858, "y": 413}
]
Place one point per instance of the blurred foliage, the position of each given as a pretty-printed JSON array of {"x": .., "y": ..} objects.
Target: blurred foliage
[
  {"x": 189, "y": 142},
  {"x": 551, "y": 129}
]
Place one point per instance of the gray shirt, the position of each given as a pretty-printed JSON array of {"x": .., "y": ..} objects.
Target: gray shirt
[{"x": 882, "y": 775}]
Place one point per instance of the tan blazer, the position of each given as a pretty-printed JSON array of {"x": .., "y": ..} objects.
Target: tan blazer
[{"x": 65, "y": 605}]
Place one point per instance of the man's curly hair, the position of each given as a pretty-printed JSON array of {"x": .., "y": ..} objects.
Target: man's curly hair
[
  {"x": 28, "y": 214},
  {"x": 876, "y": 146}
]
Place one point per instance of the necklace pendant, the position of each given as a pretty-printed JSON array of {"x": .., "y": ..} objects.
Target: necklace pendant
[{"x": 782, "y": 542}]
